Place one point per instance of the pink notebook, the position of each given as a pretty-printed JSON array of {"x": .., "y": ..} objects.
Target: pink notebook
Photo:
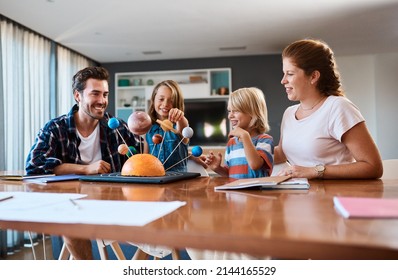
[{"x": 361, "y": 207}]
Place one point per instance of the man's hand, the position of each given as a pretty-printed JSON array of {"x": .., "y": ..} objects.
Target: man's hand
[{"x": 98, "y": 167}]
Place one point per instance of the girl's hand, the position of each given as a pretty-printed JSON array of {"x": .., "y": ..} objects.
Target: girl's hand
[
  {"x": 201, "y": 160},
  {"x": 175, "y": 115}
]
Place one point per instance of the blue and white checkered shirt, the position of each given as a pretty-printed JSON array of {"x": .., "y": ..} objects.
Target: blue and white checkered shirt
[{"x": 57, "y": 143}]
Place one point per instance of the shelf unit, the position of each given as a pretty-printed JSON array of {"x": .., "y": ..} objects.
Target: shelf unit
[{"x": 133, "y": 90}]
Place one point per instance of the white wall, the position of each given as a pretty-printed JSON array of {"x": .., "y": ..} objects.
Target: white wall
[
  {"x": 386, "y": 73},
  {"x": 370, "y": 82}
]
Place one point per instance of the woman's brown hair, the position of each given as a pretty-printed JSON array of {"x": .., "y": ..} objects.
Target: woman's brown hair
[{"x": 315, "y": 55}]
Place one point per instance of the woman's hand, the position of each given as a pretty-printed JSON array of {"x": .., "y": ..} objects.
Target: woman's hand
[{"x": 296, "y": 171}]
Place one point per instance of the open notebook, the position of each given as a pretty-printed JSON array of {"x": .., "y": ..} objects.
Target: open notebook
[
  {"x": 118, "y": 178},
  {"x": 20, "y": 177},
  {"x": 271, "y": 183},
  {"x": 56, "y": 178}
]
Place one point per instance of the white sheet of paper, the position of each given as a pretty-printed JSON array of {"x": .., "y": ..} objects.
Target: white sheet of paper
[
  {"x": 62, "y": 210},
  {"x": 22, "y": 201}
]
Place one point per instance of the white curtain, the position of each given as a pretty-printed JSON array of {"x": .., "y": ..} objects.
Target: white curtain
[
  {"x": 68, "y": 63},
  {"x": 25, "y": 60},
  {"x": 30, "y": 87},
  {"x": 25, "y": 99}
]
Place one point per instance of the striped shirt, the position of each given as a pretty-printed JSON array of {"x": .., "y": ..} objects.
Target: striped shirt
[
  {"x": 236, "y": 161},
  {"x": 57, "y": 143}
]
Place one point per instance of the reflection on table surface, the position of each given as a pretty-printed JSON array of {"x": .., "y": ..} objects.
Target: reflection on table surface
[{"x": 282, "y": 224}]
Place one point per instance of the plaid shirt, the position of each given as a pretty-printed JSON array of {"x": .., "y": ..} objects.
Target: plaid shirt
[{"x": 57, "y": 143}]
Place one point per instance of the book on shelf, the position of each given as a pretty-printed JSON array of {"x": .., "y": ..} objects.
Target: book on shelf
[
  {"x": 267, "y": 183},
  {"x": 20, "y": 177},
  {"x": 366, "y": 207}
]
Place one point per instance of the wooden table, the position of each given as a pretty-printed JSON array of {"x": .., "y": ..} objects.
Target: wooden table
[{"x": 281, "y": 224}]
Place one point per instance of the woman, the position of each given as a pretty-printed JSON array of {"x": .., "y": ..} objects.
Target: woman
[{"x": 325, "y": 135}]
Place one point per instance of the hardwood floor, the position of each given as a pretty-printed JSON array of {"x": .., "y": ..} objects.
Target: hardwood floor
[{"x": 27, "y": 254}]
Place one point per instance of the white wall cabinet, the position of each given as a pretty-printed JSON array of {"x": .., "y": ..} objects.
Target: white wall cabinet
[{"x": 133, "y": 90}]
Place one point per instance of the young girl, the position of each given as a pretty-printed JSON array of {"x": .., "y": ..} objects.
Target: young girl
[
  {"x": 167, "y": 103},
  {"x": 249, "y": 151}
]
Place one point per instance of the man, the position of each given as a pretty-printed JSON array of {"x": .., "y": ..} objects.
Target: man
[{"x": 81, "y": 141}]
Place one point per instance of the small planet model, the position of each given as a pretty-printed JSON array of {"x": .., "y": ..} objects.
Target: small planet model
[
  {"x": 113, "y": 123},
  {"x": 157, "y": 139},
  {"x": 196, "y": 151},
  {"x": 166, "y": 125},
  {"x": 131, "y": 151},
  {"x": 144, "y": 165},
  {"x": 123, "y": 149},
  {"x": 187, "y": 132},
  {"x": 139, "y": 122}
]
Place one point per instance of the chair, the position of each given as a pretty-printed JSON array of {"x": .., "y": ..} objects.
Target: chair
[
  {"x": 143, "y": 252},
  {"x": 390, "y": 169},
  {"x": 101, "y": 244},
  {"x": 193, "y": 166}
]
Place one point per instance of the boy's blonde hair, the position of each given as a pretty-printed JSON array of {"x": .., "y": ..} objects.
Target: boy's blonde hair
[{"x": 251, "y": 101}]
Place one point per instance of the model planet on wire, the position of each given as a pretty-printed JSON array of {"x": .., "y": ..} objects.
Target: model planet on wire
[
  {"x": 132, "y": 151},
  {"x": 144, "y": 165},
  {"x": 166, "y": 125},
  {"x": 123, "y": 149},
  {"x": 196, "y": 151},
  {"x": 139, "y": 122},
  {"x": 187, "y": 132},
  {"x": 113, "y": 123},
  {"x": 157, "y": 139}
]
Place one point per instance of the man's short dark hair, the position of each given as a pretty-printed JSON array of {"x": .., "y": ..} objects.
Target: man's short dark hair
[{"x": 92, "y": 72}]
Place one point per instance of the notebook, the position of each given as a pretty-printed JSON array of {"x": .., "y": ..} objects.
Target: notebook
[
  {"x": 170, "y": 176},
  {"x": 366, "y": 207},
  {"x": 56, "y": 178},
  {"x": 20, "y": 177},
  {"x": 267, "y": 183}
]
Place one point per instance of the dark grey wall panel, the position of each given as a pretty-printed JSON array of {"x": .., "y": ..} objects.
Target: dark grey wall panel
[{"x": 262, "y": 71}]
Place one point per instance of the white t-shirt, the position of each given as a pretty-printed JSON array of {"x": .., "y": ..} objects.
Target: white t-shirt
[
  {"x": 90, "y": 148},
  {"x": 316, "y": 139}
]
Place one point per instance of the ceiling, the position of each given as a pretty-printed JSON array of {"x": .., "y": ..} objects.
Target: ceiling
[{"x": 139, "y": 30}]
